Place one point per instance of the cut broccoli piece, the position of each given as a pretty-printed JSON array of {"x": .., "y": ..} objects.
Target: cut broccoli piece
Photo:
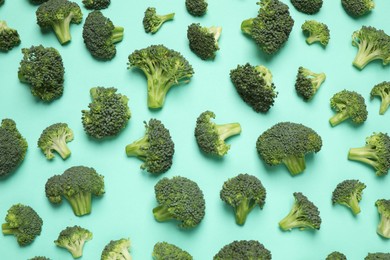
[
  {"x": 243, "y": 249},
  {"x": 39, "y": 258},
  {"x": 307, "y": 6},
  {"x": 96, "y": 4},
  {"x": 382, "y": 90},
  {"x": 316, "y": 32},
  {"x": 2, "y": 2},
  {"x": 9, "y": 37},
  {"x": 38, "y": 2},
  {"x": 383, "y": 207},
  {"x": 349, "y": 193},
  {"x": 166, "y": 251},
  {"x": 377, "y": 256},
  {"x": 357, "y": 8},
  {"x": 196, "y": 7},
  {"x": 308, "y": 83},
  {"x": 336, "y": 256},
  {"x": 55, "y": 137},
  {"x": 73, "y": 240},
  {"x": 117, "y": 249},
  {"x": 203, "y": 41},
  {"x": 152, "y": 21}
]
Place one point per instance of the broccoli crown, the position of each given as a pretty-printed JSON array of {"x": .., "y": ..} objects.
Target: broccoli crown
[
  {"x": 155, "y": 148},
  {"x": 288, "y": 143},
  {"x": 336, "y": 256},
  {"x": 203, "y": 40},
  {"x": 196, "y": 7},
  {"x": 96, "y": 4},
  {"x": 383, "y": 207},
  {"x": 167, "y": 251},
  {"x": 349, "y": 193},
  {"x": 377, "y": 256},
  {"x": 39, "y": 258},
  {"x": 372, "y": 44},
  {"x": 9, "y": 37},
  {"x": 303, "y": 215},
  {"x": 211, "y": 137},
  {"x": 77, "y": 185},
  {"x": 152, "y": 21},
  {"x": 357, "y": 8},
  {"x": 38, "y": 2},
  {"x": 108, "y": 113},
  {"x": 55, "y": 137},
  {"x": 58, "y": 15},
  {"x": 2, "y": 2},
  {"x": 117, "y": 249},
  {"x": 73, "y": 240},
  {"x": 44, "y": 70},
  {"x": 23, "y": 222},
  {"x": 382, "y": 90},
  {"x": 316, "y": 32},
  {"x": 163, "y": 69},
  {"x": 348, "y": 104},
  {"x": 243, "y": 193},
  {"x": 180, "y": 199},
  {"x": 308, "y": 82},
  {"x": 243, "y": 249},
  {"x": 100, "y": 35},
  {"x": 307, "y": 6}
]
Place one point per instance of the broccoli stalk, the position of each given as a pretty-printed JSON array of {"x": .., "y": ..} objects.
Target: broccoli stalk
[
  {"x": 138, "y": 148},
  {"x": 383, "y": 207},
  {"x": 117, "y": 249},
  {"x": 81, "y": 203},
  {"x": 117, "y": 34},
  {"x": 162, "y": 213},
  {"x": 382, "y": 90},
  {"x": 295, "y": 163},
  {"x": 227, "y": 130}
]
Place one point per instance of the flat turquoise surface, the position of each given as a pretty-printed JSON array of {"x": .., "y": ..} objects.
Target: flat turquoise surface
[{"x": 125, "y": 211}]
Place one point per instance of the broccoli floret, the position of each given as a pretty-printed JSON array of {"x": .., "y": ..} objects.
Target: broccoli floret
[
  {"x": 303, "y": 215},
  {"x": 166, "y": 251},
  {"x": 73, "y": 240},
  {"x": 336, "y": 256},
  {"x": 39, "y": 258},
  {"x": 376, "y": 153},
  {"x": 372, "y": 44},
  {"x": 77, "y": 185},
  {"x": 38, "y": 2},
  {"x": 203, "y": 41},
  {"x": 179, "y": 199},
  {"x": 42, "y": 68},
  {"x": 348, "y": 104},
  {"x": 243, "y": 249},
  {"x": 96, "y": 4},
  {"x": 272, "y": 26},
  {"x": 196, "y": 7},
  {"x": 108, "y": 113},
  {"x": 9, "y": 37},
  {"x": 377, "y": 256},
  {"x": 357, "y": 8},
  {"x": 23, "y": 222},
  {"x": 288, "y": 143},
  {"x": 117, "y": 249},
  {"x": 382, "y": 90},
  {"x": 308, "y": 82},
  {"x": 155, "y": 148},
  {"x": 55, "y": 137},
  {"x": 349, "y": 193},
  {"x": 58, "y": 15},
  {"x": 307, "y": 6},
  {"x": 13, "y": 147},
  {"x": 2, "y": 2},
  {"x": 153, "y": 21},
  {"x": 383, "y": 207},
  {"x": 243, "y": 193},
  {"x": 211, "y": 137},
  {"x": 163, "y": 69},
  {"x": 316, "y": 32}
]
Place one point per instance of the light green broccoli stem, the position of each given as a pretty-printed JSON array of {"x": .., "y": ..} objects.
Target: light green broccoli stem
[
  {"x": 117, "y": 34},
  {"x": 338, "y": 118},
  {"x": 60, "y": 146},
  {"x": 243, "y": 210},
  {"x": 158, "y": 87},
  {"x": 318, "y": 80},
  {"x": 7, "y": 229},
  {"x": 313, "y": 38},
  {"x": 366, "y": 54},
  {"x": 74, "y": 247},
  {"x": 80, "y": 203},
  {"x": 365, "y": 155},
  {"x": 166, "y": 17},
  {"x": 384, "y": 104},
  {"x": 291, "y": 220},
  {"x": 216, "y": 31},
  {"x": 227, "y": 130},
  {"x": 138, "y": 148},
  {"x": 295, "y": 164},
  {"x": 354, "y": 205},
  {"x": 384, "y": 227},
  {"x": 246, "y": 26},
  {"x": 161, "y": 213},
  {"x": 62, "y": 29}
]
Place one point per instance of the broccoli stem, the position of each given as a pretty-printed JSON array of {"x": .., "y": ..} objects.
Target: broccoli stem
[
  {"x": 313, "y": 38},
  {"x": 354, "y": 205},
  {"x": 117, "y": 34},
  {"x": 246, "y": 26},
  {"x": 60, "y": 146},
  {"x": 166, "y": 17},
  {"x": 75, "y": 249},
  {"x": 295, "y": 164},
  {"x": 243, "y": 210},
  {"x": 384, "y": 227},
  {"x": 384, "y": 104},
  {"x": 7, "y": 229},
  {"x": 138, "y": 148},
  {"x": 365, "y": 55},
  {"x": 80, "y": 203},
  {"x": 157, "y": 89},
  {"x": 227, "y": 130},
  {"x": 338, "y": 118},
  {"x": 62, "y": 29},
  {"x": 363, "y": 154},
  {"x": 291, "y": 220},
  {"x": 161, "y": 214}
]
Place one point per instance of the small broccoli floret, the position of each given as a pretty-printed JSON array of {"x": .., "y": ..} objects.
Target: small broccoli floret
[
  {"x": 316, "y": 32},
  {"x": 383, "y": 207},
  {"x": 117, "y": 249},
  {"x": 243, "y": 249},
  {"x": 336, "y": 256},
  {"x": 348, "y": 105},
  {"x": 24, "y": 223},
  {"x": 179, "y": 199},
  {"x": 96, "y": 4},
  {"x": 73, "y": 240},
  {"x": 307, "y": 6},
  {"x": 377, "y": 256},
  {"x": 9, "y": 37},
  {"x": 376, "y": 153},
  {"x": 166, "y": 251},
  {"x": 153, "y": 21},
  {"x": 203, "y": 41},
  {"x": 357, "y": 8},
  {"x": 38, "y": 2},
  {"x": 308, "y": 82},
  {"x": 382, "y": 90},
  {"x": 77, "y": 185},
  {"x": 349, "y": 193},
  {"x": 39, "y": 258},
  {"x": 2, "y": 2},
  {"x": 55, "y": 137},
  {"x": 303, "y": 215},
  {"x": 196, "y": 7},
  {"x": 163, "y": 69},
  {"x": 243, "y": 193}
]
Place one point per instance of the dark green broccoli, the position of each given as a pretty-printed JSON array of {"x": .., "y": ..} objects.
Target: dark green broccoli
[
  {"x": 9, "y": 37},
  {"x": 39, "y": 258},
  {"x": 166, "y": 251},
  {"x": 383, "y": 207},
  {"x": 376, "y": 153},
  {"x": 288, "y": 143},
  {"x": 308, "y": 83},
  {"x": 77, "y": 185},
  {"x": 382, "y": 90},
  {"x": 55, "y": 137},
  {"x": 13, "y": 147},
  {"x": 196, "y": 7},
  {"x": 117, "y": 249},
  {"x": 377, "y": 256},
  {"x": 203, "y": 41},
  {"x": 96, "y": 4},
  {"x": 179, "y": 199},
  {"x": 307, "y": 6},
  {"x": 348, "y": 104},
  {"x": 24, "y": 223},
  {"x": 243, "y": 249},
  {"x": 372, "y": 44},
  {"x": 42, "y": 68},
  {"x": 272, "y": 26},
  {"x": 100, "y": 35},
  {"x": 58, "y": 15},
  {"x": 336, "y": 256},
  {"x": 38, "y": 2},
  {"x": 108, "y": 113},
  {"x": 2, "y": 2},
  {"x": 357, "y": 8},
  {"x": 73, "y": 240},
  {"x": 316, "y": 32},
  {"x": 303, "y": 215},
  {"x": 349, "y": 193},
  {"x": 155, "y": 148},
  {"x": 243, "y": 193},
  {"x": 163, "y": 69},
  {"x": 153, "y": 21}
]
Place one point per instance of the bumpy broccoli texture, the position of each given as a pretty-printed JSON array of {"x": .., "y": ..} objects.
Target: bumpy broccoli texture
[
  {"x": 203, "y": 40},
  {"x": 336, "y": 256},
  {"x": 243, "y": 249},
  {"x": 152, "y": 21},
  {"x": 96, "y": 4},
  {"x": 196, "y": 7},
  {"x": 308, "y": 82},
  {"x": 9, "y": 37},
  {"x": 307, "y": 6},
  {"x": 13, "y": 147},
  {"x": 167, "y": 251},
  {"x": 38, "y": 2},
  {"x": 382, "y": 90},
  {"x": 377, "y": 256},
  {"x": 117, "y": 249},
  {"x": 349, "y": 193},
  {"x": 55, "y": 137},
  {"x": 39, "y": 258},
  {"x": 383, "y": 207},
  {"x": 77, "y": 185},
  {"x": 163, "y": 69},
  {"x": 23, "y": 222},
  {"x": 181, "y": 199},
  {"x": 357, "y": 8},
  {"x": 2, "y": 2},
  {"x": 316, "y": 32},
  {"x": 73, "y": 240}
]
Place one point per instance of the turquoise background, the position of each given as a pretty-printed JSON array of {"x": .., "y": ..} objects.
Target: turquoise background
[{"x": 125, "y": 211}]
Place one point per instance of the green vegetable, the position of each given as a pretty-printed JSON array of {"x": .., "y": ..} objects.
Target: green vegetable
[
  {"x": 377, "y": 256},
  {"x": 166, "y": 251},
  {"x": 55, "y": 137},
  {"x": 243, "y": 249},
  {"x": 73, "y": 240},
  {"x": 383, "y": 207},
  {"x": 203, "y": 41},
  {"x": 316, "y": 32},
  {"x": 117, "y": 250},
  {"x": 152, "y": 21},
  {"x": 308, "y": 82},
  {"x": 196, "y": 7},
  {"x": 357, "y": 8},
  {"x": 96, "y": 4},
  {"x": 307, "y": 6},
  {"x": 336, "y": 256},
  {"x": 382, "y": 90},
  {"x": 349, "y": 193},
  {"x": 40, "y": 258},
  {"x": 9, "y": 37}
]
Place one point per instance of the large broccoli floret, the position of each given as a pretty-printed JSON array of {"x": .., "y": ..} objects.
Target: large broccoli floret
[
  {"x": 376, "y": 153},
  {"x": 307, "y": 6},
  {"x": 167, "y": 251},
  {"x": 73, "y": 240},
  {"x": 117, "y": 249},
  {"x": 288, "y": 143},
  {"x": 243, "y": 249},
  {"x": 153, "y": 21},
  {"x": 58, "y": 15},
  {"x": 357, "y": 8},
  {"x": 13, "y": 147},
  {"x": 377, "y": 256},
  {"x": 243, "y": 193},
  {"x": 383, "y": 207},
  {"x": 24, "y": 223},
  {"x": 77, "y": 185},
  {"x": 316, "y": 32},
  {"x": 308, "y": 82},
  {"x": 55, "y": 137},
  {"x": 96, "y": 4},
  {"x": 203, "y": 41},
  {"x": 196, "y": 7},
  {"x": 382, "y": 90},
  {"x": 163, "y": 69},
  {"x": 336, "y": 256},
  {"x": 9, "y": 37},
  {"x": 349, "y": 193},
  {"x": 272, "y": 26},
  {"x": 180, "y": 199}
]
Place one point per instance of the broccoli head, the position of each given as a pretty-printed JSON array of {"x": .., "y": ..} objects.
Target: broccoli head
[
  {"x": 180, "y": 199},
  {"x": 288, "y": 143},
  {"x": 2, "y": 2},
  {"x": 357, "y": 8},
  {"x": 203, "y": 41},
  {"x": 307, "y": 6},
  {"x": 376, "y": 153},
  {"x": 163, "y": 69},
  {"x": 55, "y": 137},
  {"x": 383, "y": 207},
  {"x": 377, "y": 256},
  {"x": 243, "y": 249},
  {"x": 382, "y": 90},
  {"x": 77, "y": 185},
  {"x": 117, "y": 249},
  {"x": 316, "y": 32},
  {"x": 9, "y": 37},
  {"x": 108, "y": 113},
  {"x": 166, "y": 251},
  {"x": 243, "y": 193},
  {"x": 39, "y": 258},
  {"x": 153, "y": 21},
  {"x": 96, "y": 4},
  {"x": 336, "y": 256},
  {"x": 23, "y": 222},
  {"x": 349, "y": 193},
  {"x": 155, "y": 148},
  {"x": 38, "y": 2},
  {"x": 73, "y": 240},
  {"x": 196, "y": 7},
  {"x": 308, "y": 82}
]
